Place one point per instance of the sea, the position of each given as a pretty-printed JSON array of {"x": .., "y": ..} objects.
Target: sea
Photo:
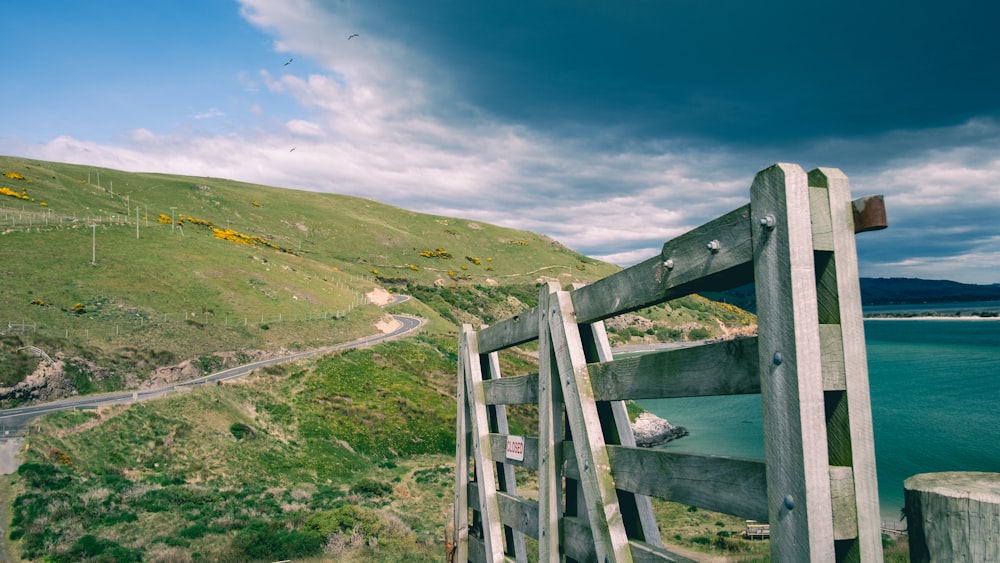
[{"x": 935, "y": 399}]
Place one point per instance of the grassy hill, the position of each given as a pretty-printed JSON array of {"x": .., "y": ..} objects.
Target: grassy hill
[
  {"x": 345, "y": 457},
  {"x": 136, "y": 271}
]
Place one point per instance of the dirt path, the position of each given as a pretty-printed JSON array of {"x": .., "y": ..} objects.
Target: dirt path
[
  {"x": 9, "y": 447},
  {"x": 6, "y": 500}
]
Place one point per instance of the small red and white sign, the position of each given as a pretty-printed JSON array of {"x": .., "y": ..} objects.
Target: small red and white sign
[{"x": 515, "y": 448}]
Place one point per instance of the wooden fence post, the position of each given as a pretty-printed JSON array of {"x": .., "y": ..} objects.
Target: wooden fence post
[
  {"x": 953, "y": 516},
  {"x": 460, "y": 543},
  {"x": 795, "y": 447},
  {"x": 850, "y": 437},
  {"x": 603, "y": 512},
  {"x": 492, "y": 532},
  {"x": 550, "y": 420}
]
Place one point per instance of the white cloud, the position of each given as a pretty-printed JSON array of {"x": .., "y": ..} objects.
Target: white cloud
[
  {"x": 208, "y": 114},
  {"x": 971, "y": 267},
  {"x": 141, "y": 135},
  {"x": 306, "y": 128}
]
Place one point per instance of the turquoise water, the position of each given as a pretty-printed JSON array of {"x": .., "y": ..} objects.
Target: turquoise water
[{"x": 935, "y": 388}]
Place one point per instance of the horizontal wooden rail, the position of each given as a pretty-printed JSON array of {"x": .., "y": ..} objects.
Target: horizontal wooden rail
[
  {"x": 719, "y": 368},
  {"x": 498, "y": 445},
  {"x": 577, "y": 540},
  {"x": 512, "y": 390},
  {"x": 723, "y": 484},
  {"x": 713, "y": 257},
  {"x": 517, "y": 512},
  {"x": 509, "y": 332},
  {"x": 731, "y": 485}
]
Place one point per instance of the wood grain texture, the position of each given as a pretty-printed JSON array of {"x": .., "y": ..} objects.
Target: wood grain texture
[
  {"x": 723, "y": 484},
  {"x": 717, "y": 368},
  {"x": 857, "y": 421},
  {"x": 603, "y": 510},
  {"x": 953, "y": 516},
  {"x": 509, "y": 332},
  {"x": 462, "y": 453},
  {"x": 517, "y": 390},
  {"x": 845, "y": 510},
  {"x": 485, "y": 466},
  {"x": 798, "y": 480},
  {"x": 577, "y": 539},
  {"x": 692, "y": 267},
  {"x": 822, "y": 226},
  {"x": 550, "y": 424}
]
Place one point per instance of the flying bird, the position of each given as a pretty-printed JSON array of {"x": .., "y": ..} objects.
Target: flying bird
[
  {"x": 293, "y": 148},
  {"x": 289, "y": 62},
  {"x": 352, "y": 36}
]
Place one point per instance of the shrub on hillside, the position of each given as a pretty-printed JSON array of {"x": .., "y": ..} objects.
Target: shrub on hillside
[
  {"x": 372, "y": 488},
  {"x": 273, "y": 541},
  {"x": 92, "y": 548},
  {"x": 699, "y": 333},
  {"x": 240, "y": 430}
]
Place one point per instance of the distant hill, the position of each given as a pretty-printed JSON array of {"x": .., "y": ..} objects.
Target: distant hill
[{"x": 886, "y": 291}]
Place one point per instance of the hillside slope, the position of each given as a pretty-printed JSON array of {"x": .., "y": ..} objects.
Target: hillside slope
[{"x": 120, "y": 274}]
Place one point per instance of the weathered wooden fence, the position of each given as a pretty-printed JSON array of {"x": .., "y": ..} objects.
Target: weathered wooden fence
[{"x": 816, "y": 486}]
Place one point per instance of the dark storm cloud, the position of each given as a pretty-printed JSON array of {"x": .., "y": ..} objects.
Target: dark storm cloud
[{"x": 745, "y": 72}]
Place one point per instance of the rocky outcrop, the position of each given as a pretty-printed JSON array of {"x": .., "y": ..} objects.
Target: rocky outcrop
[
  {"x": 47, "y": 383},
  {"x": 651, "y": 430},
  {"x": 189, "y": 369},
  {"x": 55, "y": 380}
]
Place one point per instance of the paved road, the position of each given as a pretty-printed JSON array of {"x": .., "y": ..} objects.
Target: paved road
[{"x": 13, "y": 421}]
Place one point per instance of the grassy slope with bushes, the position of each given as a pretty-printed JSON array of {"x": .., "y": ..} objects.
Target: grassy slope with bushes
[{"x": 350, "y": 453}]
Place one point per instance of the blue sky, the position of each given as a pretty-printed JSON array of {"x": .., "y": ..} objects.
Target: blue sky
[{"x": 611, "y": 127}]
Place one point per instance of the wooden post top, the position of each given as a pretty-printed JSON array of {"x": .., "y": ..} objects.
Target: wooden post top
[{"x": 973, "y": 485}]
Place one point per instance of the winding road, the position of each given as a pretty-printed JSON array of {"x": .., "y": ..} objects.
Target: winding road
[{"x": 13, "y": 421}]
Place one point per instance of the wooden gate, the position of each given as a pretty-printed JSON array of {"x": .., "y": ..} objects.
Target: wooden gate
[{"x": 816, "y": 487}]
